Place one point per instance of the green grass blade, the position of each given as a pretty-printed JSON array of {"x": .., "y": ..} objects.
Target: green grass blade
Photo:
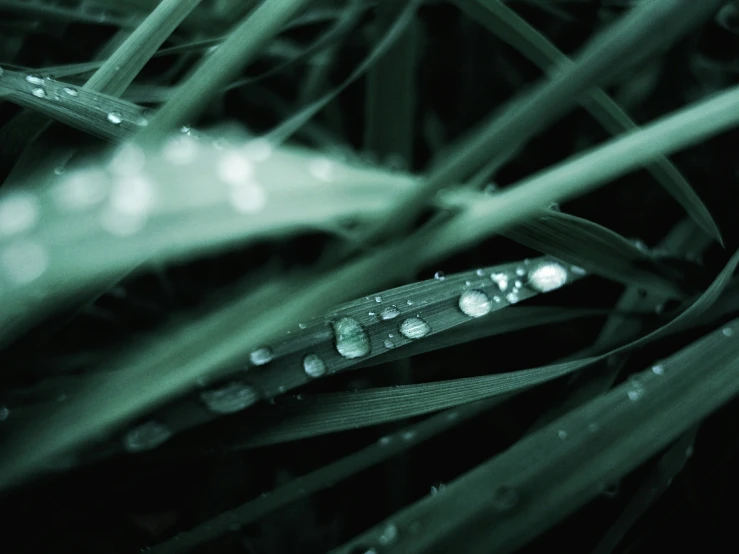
[
  {"x": 543, "y": 478},
  {"x": 514, "y": 30}
]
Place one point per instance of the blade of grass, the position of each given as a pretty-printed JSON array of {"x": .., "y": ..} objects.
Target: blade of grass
[
  {"x": 647, "y": 27},
  {"x": 541, "y": 479},
  {"x": 507, "y": 25}
]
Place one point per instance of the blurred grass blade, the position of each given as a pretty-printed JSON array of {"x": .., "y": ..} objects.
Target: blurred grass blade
[
  {"x": 543, "y": 478},
  {"x": 584, "y": 172},
  {"x": 646, "y": 28},
  {"x": 287, "y": 128},
  {"x": 240, "y": 47},
  {"x": 322, "y": 478},
  {"x": 45, "y": 11},
  {"x": 514, "y": 30}
]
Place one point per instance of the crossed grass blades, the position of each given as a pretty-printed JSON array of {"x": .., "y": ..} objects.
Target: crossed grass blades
[{"x": 257, "y": 361}]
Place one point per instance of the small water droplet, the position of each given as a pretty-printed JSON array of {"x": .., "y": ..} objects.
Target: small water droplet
[
  {"x": 658, "y": 369},
  {"x": 389, "y": 535},
  {"x": 497, "y": 299},
  {"x": 727, "y": 331},
  {"x": 414, "y": 328},
  {"x": 689, "y": 451},
  {"x": 4, "y": 413},
  {"x": 115, "y": 118},
  {"x": 475, "y": 303},
  {"x": 410, "y": 302},
  {"x": 517, "y": 284},
  {"x": 520, "y": 271},
  {"x": 409, "y": 435},
  {"x": 378, "y": 299},
  {"x": 34, "y": 80},
  {"x": 439, "y": 276},
  {"x": 261, "y": 355},
  {"x": 610, "y": 490},
  {"x": 233, "y": 168},
  {"x": 547, "y": 277},
  {"x": 59, "y": 170},
  {"x": 505, "y": 498},
  {"x": 577, "y": 270},
  {"x": 491, "y": 189},
  {"x": 258, "y": 149},
  {"x": 562, "y": 434},
  {"x": 636, "y": 389},
  {"x": 480, "y": 273},
  {"x": 322, "y": 169},
  {"x": 180, "y": 150},
  {"x": 302, "y": 325},
  {"x": 500, "y": 279},
  {"x": 388, "y": 344},
  {"x": 436, "y": 488},
  {"x": 39, "y": 92},
  {"x": 70, "y": 92},
  {"x": 314, "y": 366},
  {"x": 390, "y": 312},
  {"x": 384, "y": 441},
  {"x": 146, "y": 436},
  {"x": 512, "y": 297},
  {"x": 350, "y": 338},
  {"x": 230, "y": 398},
  {"x": 248, "y": 198}
]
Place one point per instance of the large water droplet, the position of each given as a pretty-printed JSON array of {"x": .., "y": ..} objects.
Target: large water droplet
[
  {"x": 39, "y": 92},
  {"x": 548, "y": 276},
  {"x": 388, "y": 344},
  {"x": 500, "y": 279},
  {"x": 475, "y": 303},
  {"x": 34, "y": 80},
  {"x": 414, "y": 328},
  {"x": 261, "y": 355},
  {"x": 390, "y": 312},
  {"x": 115, "y": 118},
  {"x": 70, "y": 92},
  {"x": 658, "y": 369},
  {"x": 146, "y": 436},
  {"x": 229, "y": 399},
  {"x": 314, "y": 366},
  {"x": 234, "y": 168},
  {"x": 351, "y": 338},
  {"x": 727, "y": 331},
  {"x": 18, "y": 212},
  {"x": 439, "y": 276}
]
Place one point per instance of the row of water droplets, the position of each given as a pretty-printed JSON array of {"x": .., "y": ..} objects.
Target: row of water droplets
[{"x": 352, "y": 341}]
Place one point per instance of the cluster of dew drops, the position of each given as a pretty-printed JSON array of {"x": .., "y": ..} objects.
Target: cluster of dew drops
[{"x": 352, "y": 341}]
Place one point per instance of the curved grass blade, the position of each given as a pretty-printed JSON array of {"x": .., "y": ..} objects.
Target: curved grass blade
[
  {"x": 56, "y": 13},
  {"x": 322, "y": 478},
  {"x": 543, "y": 477},
  {"x": 507, "y": 25},
  {"x": 647, "y": 27}
]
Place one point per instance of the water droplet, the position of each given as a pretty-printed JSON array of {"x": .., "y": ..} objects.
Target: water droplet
[
  {"x": 248, "y": 198},
  {"x": 389, "y": 535},
  {"x": 4, "y": 413},
  {"x": 490, "y": 189},
  {"x": 234, "y": 169},
  {"x": 577, "y": 270},
  {"x": 636, "y": 389},
  {"x": 500, "y": 279},
  {"x": 610, "y": 490},
  {"x": 547, "y": 277},
  {"x": 142, "y": 121},
  {"x": 388, "y": 344},
  {"x": 314, "y": 366},
  {"x": 322, "y": 169},
  {"x": 81, "y": 190},
  {"x": 180, "y": 150},
  {"x": 475, "y": 303},
  {"x": 439, "y": 275},
  {"x": 512, "y": 297},
  {"x": 409, "y": 435},
  {"x": 70, "y": 92},
  {"x": 480, "y": 273},
  {"x": 384, "y": 441},
  {"x": 562, "y": 434},
  {"x": 351, "y": 339},
  {"x": 34, "y": 80},
  {"x": 230, "y": 398},
  {"x": 39, "y": 92},
  {"x": 24, "y": 261},
  {"x": 689, "y": 451},
  {"x": 146, "y": 436},
  {"x": 727, "y": 331},
  {"x": 132, "y": 195},
  {"x": 261, "y": 356},
  {"x": 372, "y": 314},
  {"x": 497, "y": 299},
  {"x": 389, "y": 313},
  {"x": 128, "y": 160},
  {"x": 378, "y": 299},
  {"x": 436, "y": 488},
  {"x": 115, "y": 118},
  {"x": 410, "y": 302},
  {"x": 520, "y": 271},
  {"x": 18, "y": 212},
  {"x": 59, "y": 170},
  {"x": 505, "y": 498},
  {"x": 414, "y": 328},
  {"x": 658, "y": 369}
]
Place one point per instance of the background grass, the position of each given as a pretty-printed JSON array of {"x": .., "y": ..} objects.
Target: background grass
[{"x": 185, "y": 183}]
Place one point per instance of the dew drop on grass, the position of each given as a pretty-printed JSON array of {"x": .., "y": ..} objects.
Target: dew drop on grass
[
  {"x": 233, "y": 168},
  {"x": 24, "y": 261},
  {"x": 389, "y": 344},
  {"x": 261, "y": 356},
  {"x": 34, "y": 80},
  {"x": 248, "y": 198},
  {"x": 727, "y": 331},
  {"x": 658, "y": 369},
  {"x": 258, "y": 149},
  {"x": 314, "y": 366},
  {"x": 480, "y": 273},
  {"x": 562, "y": 434},
  {"x": 439, "y": 276},
  {"x": 322, "y": 169},
  {"x": 512, "y": 297},
  {"x": 39, "y": 92},
  {"x": 180, "y": 150},
  {"x": 547, "y": 277},
  {"x": 414, "y": 328},
  {"x": 230, "y": 398},
  {"x": 520, "y": 271},
  {"x": 389, "y": 534},
  {"x": 436, "y": 488},
  {"x": 351, "y": 340},
  {"x": 146, "y": 436},
  {"x": 4, "y": 413},
  {"x": 500, "y": 279},
  {"x": 378, "y": 299},
  {"x": 475, "y": 303},
  {"x": 390, "y": 312},
  {"x": 18, "y": 212},
  {"x": 636, "y": 389},
  {"x": 70, "y": 92},
  {"x": 115, "y": 118}
]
